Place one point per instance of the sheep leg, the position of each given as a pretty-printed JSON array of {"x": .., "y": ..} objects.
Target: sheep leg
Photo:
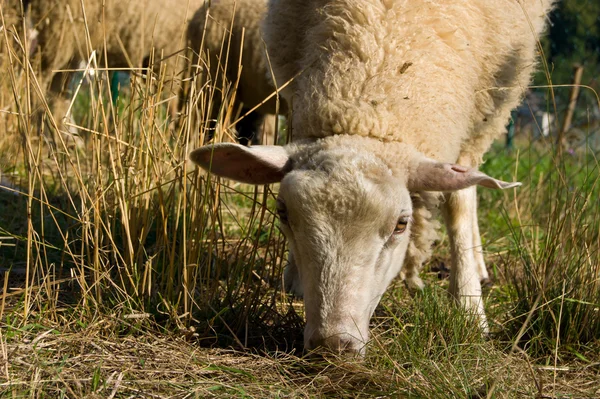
[
  {"x": 268, "y": 130},
  {"x": 248, "y": 128},
  {"x": 423, "y": 234},
  {"x": 410, "y": 275},
  {"x": 477, "y": 245},
  {"x": 459, "y": 211}
]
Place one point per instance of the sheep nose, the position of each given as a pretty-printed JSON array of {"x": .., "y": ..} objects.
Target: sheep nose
[{"x": 338, "y": 344}]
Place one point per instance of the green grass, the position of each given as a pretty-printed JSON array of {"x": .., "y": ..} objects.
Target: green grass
[{"x": 551, "y": 262}]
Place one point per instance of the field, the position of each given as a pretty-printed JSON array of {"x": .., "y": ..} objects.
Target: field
[{"x": 125, "y": 272}]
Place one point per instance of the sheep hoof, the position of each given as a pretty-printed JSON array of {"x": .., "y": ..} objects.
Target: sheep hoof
[{"x": 414, "y": 284}]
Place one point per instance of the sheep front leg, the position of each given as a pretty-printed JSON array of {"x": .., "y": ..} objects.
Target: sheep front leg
[
  {"x": 460, "y": 210},
  {"x": 484, "y": 277}
]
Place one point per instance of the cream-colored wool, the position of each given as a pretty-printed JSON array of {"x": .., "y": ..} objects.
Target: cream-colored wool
[
  {"x": 226, "y": 35},
  {"x": 124, "y": 33},
  {"x": 128, "y": 31},
  {"x": 442, "y": 75},
  {"x": 394, "y": 104}
]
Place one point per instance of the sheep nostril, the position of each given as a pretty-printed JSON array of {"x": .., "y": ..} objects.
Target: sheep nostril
[{"x": 344, "y": 345}]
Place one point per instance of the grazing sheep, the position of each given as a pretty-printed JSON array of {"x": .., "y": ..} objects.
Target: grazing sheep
[
  {"x": 218, "y": 32},
  {"x": 388, "y": 95},
  {"x": 131, "y": 34}
]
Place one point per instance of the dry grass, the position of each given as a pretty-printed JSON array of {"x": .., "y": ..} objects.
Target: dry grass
[
  {"x": 126, "y": 272},
  {"x": 91, "y": 364},
  {"x": 129, "y": 357}
]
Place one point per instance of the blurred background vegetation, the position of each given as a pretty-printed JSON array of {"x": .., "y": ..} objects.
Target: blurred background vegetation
[{"x": 573, "y": 39}]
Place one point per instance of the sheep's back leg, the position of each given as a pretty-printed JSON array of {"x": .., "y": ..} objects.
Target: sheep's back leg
[
  {"x": 249, "y": 128},
  {"x": 423, "y": 233},
  {"x": 460, "y": 215}
]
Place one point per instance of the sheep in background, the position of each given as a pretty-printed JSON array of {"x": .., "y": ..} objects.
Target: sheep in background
[
  {"x": 215, "y": 34},
  {"x": 131, "y": 34},
  {"x": 388, "y": 96}
]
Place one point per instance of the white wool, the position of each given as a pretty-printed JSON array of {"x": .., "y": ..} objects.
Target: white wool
[
  {"x": 433, "y": 78},
  {"x": 387, "y": 95}
]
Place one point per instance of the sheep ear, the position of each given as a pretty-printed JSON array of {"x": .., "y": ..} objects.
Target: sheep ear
[
  {"x": 260, "y": 164},
  {"x": 430, "y": 175}
]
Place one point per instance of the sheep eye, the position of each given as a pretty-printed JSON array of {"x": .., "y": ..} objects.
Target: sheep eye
[
  {"x": 282, "y": 211},
  {"x": 401, "y": 225}
]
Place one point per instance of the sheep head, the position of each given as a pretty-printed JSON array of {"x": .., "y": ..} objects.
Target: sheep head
[{"x": 346, "y": 212}]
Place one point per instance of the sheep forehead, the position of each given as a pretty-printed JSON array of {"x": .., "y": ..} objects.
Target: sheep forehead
[
  {"x": 344, "y": 187},
  {"x": 342, "y": 161}
]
